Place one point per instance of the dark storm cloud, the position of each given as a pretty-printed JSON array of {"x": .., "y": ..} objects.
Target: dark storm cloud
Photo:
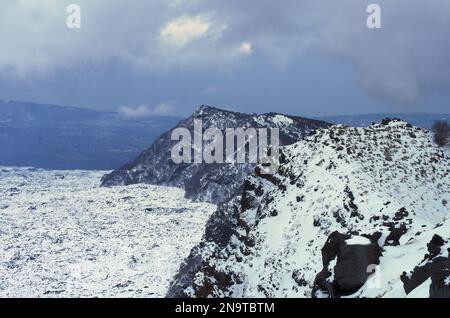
[{"x": 401, "y": 63}]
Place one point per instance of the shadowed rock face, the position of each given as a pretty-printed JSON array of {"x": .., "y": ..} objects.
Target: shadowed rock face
[
  {"x": 206, "y": 182},
  {"x": 434, "y": 266},
  {"x": 352, "y": 265}
]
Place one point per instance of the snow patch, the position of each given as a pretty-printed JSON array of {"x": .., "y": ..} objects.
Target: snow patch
[{"x": 358, "y": 240}]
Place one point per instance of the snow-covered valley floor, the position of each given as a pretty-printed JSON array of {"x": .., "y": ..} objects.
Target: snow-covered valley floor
[{"x": 61, "y": 235}]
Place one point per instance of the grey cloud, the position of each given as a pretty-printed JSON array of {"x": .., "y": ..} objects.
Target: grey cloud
[{"x": 401, "y": 63}]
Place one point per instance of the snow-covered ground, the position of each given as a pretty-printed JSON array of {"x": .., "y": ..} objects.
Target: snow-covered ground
[
  {"x": 387, "y": 179},
  {"x": 447, "y": 150},
  {"x": 61, "y": 235}
]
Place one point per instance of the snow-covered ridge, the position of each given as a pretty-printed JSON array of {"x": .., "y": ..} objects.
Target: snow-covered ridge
[
  {"x": 206, "y": 182},
  {"x": 285, "y": 235},
  {"x": 64, "y": 236}
]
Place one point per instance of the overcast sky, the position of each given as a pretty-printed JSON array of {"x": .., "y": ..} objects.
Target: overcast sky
[{"x": 304, "y": 57}]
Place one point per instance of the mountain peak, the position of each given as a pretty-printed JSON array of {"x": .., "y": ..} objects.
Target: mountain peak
[
  {"x": 394, "y": 122},
  {"x": 205, "y": 109},
  {"x": 206, "y": 182}
]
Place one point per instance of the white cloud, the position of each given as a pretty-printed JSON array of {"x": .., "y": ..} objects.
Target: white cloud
[
  {"x": 183, "y": 30},
  {"x": 137, "y": 112},
  {"x": 167, "y": 108},
  {"x": 142, "y": 111},
  {"x": 246, "y": 48}
]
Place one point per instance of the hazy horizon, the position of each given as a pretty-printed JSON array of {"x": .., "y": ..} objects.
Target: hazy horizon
[{"x": 234, "y": 109}]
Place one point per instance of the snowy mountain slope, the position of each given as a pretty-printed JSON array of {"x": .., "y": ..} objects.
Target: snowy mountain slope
[
  {"x": 61, "y": 235},
  {"x": 351, "y": 213},
  {"x": 206, "y": 182}
]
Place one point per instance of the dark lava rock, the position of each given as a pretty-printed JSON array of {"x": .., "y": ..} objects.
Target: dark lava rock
[
  {"x": 351, "y": 270},
  {"x": 397, "y": 231},
  {"x": 433, "y": 266}
]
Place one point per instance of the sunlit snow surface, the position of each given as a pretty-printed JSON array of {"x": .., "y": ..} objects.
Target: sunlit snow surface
[{"x": 63, "y": 236}]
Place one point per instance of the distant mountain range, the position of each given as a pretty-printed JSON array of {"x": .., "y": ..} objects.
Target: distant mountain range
[{"x": 60, "y": 137}]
